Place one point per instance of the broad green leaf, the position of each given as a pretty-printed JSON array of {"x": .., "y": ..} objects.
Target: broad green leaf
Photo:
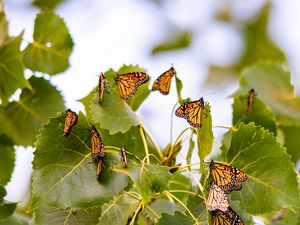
[
  {"x": 176, "y": 219},
  {"x": 150, "y": 179},
  {"x": 226, "y": 140},
  {"x": 160, "y": 206},
  {"x": 285, "y": 217},
  {"x": 197, "y": 207},
  {"x": 180, "y": 182},
  {"x": 50, "y": 4},
  {"x": 258, "y": 46},
  {"x": 13, "y": 220},
  {"x": 205, "y": 135},
  {"x": 51, "y": 47},
  {"x": 176, "y": 40},
  {"x": 271, "y": 180},
  {"x": 64, "y": 174},
  {"x": 178, "y": 89},
  {"x": 21, "y": 120},
  {"x": 11, "y": 68},
  {"x": 118, "y": 210},
  {"x": 292, "y": 141},
  {"x": 260, "y": 114},
  {"x": 272, "y": 83},
  {"x": 190, "y": 151},
  {"x": 3, "y": 24},
  {"x": 7, "y": 161},
  {"x": 53, "y": 216},
  {"x": 6, "y": 208}
]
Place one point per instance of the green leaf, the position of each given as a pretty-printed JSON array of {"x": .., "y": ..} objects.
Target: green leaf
[
  {"x": 272, "y": 83},
  {"x": 285, "y": 217},
  {"x": 50, "y": 4},
  {"x": 7, "y": 152},
  {"x": 21, "y": 120},
  {"x": 160, "y": 206},
  {"x": 118, "y": 210},
  {"x": 176, "y": 40},
  {"x": 197, "y": 207},
  {"x": 205, "y": 136},
  {"x": 150, "y": 179},
  {"x": 179, "y": 87},
  {"x": 190, "y": 151},
  {"x": 49, "y": 53},
  {"x": 11, "y": 68},
  {"x": 292, "y": 141},
  {"x": 13, "y": 220},
  {"x": 180, "y": 182},
  {"x": 271, "y": 180},
  {"x": 260, "y": 113},
  {"x": 177, "y": 219},
  {"x": 6, "y": 208},
  {"x": 3, "y": 24},
  {"x": 52, "y": 216},
  {"x": 64, "y": 174}
]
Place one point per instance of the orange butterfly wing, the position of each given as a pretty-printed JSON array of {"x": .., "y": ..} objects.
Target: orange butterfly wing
[
  {"x": 99, "y": 168},
  {"x": 70, "y": 122},
  {"x": 217, "y": 199},
  {"x": 163, "y": 82},
  {"x": 128, "y": 83},
  {"x": 229, "y": 217},
  {"x": 101, "y": 87},
  {"x": 97, "y": 145},
  {"x": 192, "y": 112}
]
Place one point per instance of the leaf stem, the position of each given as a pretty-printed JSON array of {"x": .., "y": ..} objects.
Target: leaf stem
[
  {"x": 167, "y": 193},
  {"x": 153, "y": 142},
  {"x": 135, "y": 213},
  {"x": 188, "y": 192},
  {"x": 177, "y": 139},
  {"x": 225, "y": 127},
  {"x": 196, "y": 180},
  {"x": 152, "y": 211},
  {"x": 145, "y": 144},
  {"x": 171, "y": 127}
]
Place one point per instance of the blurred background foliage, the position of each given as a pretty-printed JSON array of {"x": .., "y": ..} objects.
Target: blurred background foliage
[{"x": 29, "y": 95}]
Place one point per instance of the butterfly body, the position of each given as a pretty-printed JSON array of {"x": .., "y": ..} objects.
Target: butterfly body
[
  {"x": 129, "y": 82},
  {"x": 217, "y": 199},
  {"x": 228, "y": 217},
  {"x": 163, "y": 82},
  {"x": 192, "y": 112},
  {"x": 124, "y": 157},
  {"x": 251, "y": 96},
  {"x": 97, "y": 145},
  {"x": 227, "y": 177},
  {"x": 70, "y": 122},
  {"x": 102, "y": 81}
]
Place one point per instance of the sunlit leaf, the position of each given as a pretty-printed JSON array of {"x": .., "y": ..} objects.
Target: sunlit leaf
[
  {"x": 49, "y": 52},
  {"x": 271, "y": 175},
  {"x": 292, "y": 141},
  {"x": 3, "y": 24},
  {"x": 190, "y": 150},
  {"x": 50, "y": 4},
  {"x": 21, "y": 120},
  {"x": 179, "y": 87},
  {"x": 7, "y": 161},
  {"x": 6, "y": 208},
  {"x": 176, "y": 219},
  {"x": 176, "y": 40},
  {"x": 272, "y": 83},
  {"x": 11, "y": 68},
  {"x": 284, "y": 217},
  {"x": 160, "y": 206},
  {"x": 118, "y": 210},
  {"x": 13, "y": 220},
  {"x": 260, "y": 114},
  {"x": 64, "y": 174},
  {"x": 53, "y": 216}
]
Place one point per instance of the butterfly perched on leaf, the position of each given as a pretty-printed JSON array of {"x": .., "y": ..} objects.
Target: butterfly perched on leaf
[
  {"x": 251, "y": 96},
  {"x": 97, "y": 145},
  {"x": 217, "y": 199},
  {"x": 163, "y": 82},
  {"x": 128, "y": 83},
  {"x": 228, "y": 217},
  {"x": 102, "y": 81},
  {"x": 124, "y": 157},
  {"x": 192, "y": 112},
  {"x": 227, "y": 177},
  {"x": 70, "y": 122}
]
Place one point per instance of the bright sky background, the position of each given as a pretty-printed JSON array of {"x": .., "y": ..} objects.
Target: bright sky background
[{"x": 109, "y": 33}]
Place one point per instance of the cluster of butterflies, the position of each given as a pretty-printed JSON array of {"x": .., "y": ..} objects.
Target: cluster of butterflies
[
  {"x": 225, "y": 179},
  {"x": 128, "y": 84},
  {"x": 97, "y": 152}
]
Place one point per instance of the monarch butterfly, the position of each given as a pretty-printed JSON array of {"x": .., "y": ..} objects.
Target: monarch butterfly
[
  {"x": 124, "y": 157},
  {"x": 229, "y": 217},
  {"x": 99, "y": 168},
  {"x": 129, "y": 82},
  {"x": 251, "y": 96},
  {"x": 217, "y": 199},
  {"x": 70, "y": 122},
  {"x": 192, "y": 112},
  {"x": 101, "y": 87},
  {"x": 163, "y": 82},
  {"x": 97, "y": 145},
  {"x": 227, "y": 177}
]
